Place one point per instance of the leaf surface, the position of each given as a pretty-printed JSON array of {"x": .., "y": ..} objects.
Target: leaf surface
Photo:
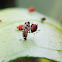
[{"x": 44, "y": 43}]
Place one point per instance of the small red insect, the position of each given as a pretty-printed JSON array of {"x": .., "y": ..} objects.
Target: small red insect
[
  {"x": 31, "y": 9},
  {"x": 33, "y": 27},
  {"x": 43, "y": 19},
  {"x": 0, "y": 20},
  {"x": 20, "y": 27}
]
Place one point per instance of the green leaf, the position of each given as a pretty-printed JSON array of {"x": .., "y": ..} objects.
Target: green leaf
[{"x": 45, "y": 43}]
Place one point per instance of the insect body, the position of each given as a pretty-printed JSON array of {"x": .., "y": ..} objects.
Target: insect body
[
  {"x": 25, "y": 33},
  {"x": 33, "y": 27},
  {"x": 25, "y": 29},
  {"x": 27, "y": 25}
]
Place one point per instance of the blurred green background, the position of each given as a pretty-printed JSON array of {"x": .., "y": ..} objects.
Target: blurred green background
[{"x": 51, "y": 8}]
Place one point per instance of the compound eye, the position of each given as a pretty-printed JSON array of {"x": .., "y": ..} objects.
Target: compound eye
[
  {"x": 25, "y": 23},
  {"x": 28, "y": 22}
]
